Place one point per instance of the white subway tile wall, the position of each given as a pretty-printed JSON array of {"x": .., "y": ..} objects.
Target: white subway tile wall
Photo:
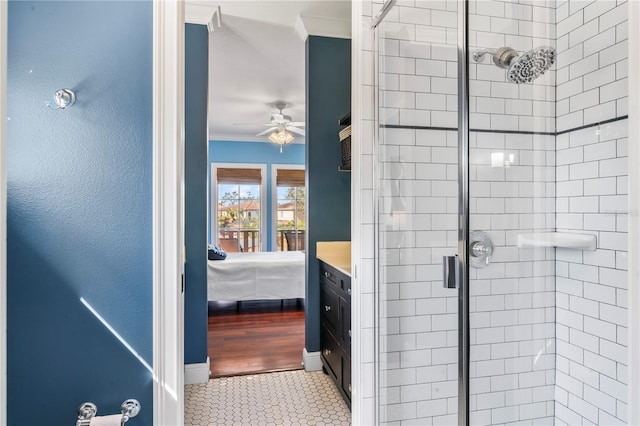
[
  {"x": 592, "y": 62},
  {"x": 591, "y": 287},
  {"x": 548, "y": 325}
]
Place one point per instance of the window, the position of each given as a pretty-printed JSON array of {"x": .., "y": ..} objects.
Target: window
[
  {"x": 290, "y": 209},
  {"x": 238, "y": 194}
]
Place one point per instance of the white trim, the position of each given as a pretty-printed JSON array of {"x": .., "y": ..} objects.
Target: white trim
[
  {"x": 168, "y": 212},
  {"x": 633, "y": 279},
  {"x": 274, "y": 198},
  {"x": 263, "y": 198},
  {"x": 357, "y": 360},
  {"x": 323, "y": 26},
  {"x": 3, "y": 215},
  {"x": 203, "y": 13},
  {"x": 311, "y": 361},
  {"x": 197, "y": 373}
]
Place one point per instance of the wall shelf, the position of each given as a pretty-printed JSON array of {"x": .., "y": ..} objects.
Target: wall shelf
[{"x": 558, "y": 239}]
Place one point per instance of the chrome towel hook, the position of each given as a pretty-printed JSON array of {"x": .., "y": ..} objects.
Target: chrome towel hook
[{"x": 63, "y": 98}]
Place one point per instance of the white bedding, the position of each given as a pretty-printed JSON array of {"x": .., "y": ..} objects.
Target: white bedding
[{"x": 256, "y": 276}]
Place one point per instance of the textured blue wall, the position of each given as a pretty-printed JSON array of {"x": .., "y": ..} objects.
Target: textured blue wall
[
  {"x": 328, "y": 86},
  {"x": 260, "y": 153},
  {"x": 196, "y": 57},
  {"x": 79, "y": 237}
]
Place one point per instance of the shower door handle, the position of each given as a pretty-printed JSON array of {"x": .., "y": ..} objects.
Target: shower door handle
[{"x": 450, "y": 274}]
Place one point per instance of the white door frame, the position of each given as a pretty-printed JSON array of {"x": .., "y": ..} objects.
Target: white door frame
[
  {"x": 359, "y": 406},
  {"x": 168, "y": 212},
  {"x": 168, "y": 174}
]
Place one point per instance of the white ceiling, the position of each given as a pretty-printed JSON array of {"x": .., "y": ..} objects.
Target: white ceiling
[{"x": 256, "y": 59}]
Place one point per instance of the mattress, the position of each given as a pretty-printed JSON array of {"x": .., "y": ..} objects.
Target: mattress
[{"x": 257, "y": 276}]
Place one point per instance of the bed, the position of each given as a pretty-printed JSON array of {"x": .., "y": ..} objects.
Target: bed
[{"x": 257, "y": 276}]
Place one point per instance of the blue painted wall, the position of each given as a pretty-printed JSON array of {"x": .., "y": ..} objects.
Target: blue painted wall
[
  {"x": 79, "y": 237},
  {"x": 196, "y": 144},
  {"x": 328, "y": 87},
  {"x": 259, "y": 153}
]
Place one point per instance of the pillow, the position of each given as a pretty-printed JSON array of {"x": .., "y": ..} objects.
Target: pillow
[{"x": 216, "y": 253}]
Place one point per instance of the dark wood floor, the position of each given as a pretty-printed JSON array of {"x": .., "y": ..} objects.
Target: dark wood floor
[{"x": 255, "y": 337}]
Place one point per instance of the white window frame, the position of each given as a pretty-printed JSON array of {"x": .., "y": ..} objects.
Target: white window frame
[
  {"x": 274, "y": 199},
  {"x": 263, "y": 198}
]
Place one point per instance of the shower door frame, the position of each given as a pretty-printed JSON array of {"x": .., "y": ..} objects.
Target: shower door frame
[{"x": 464, "y": 325}]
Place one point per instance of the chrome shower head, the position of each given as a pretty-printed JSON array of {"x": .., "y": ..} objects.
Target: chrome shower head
[{"x": 524, "y": 68}]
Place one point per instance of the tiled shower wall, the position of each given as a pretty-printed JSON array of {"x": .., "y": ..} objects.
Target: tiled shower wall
[
  {"x": 512, "y": 192},
  {"x": 592, "y": 198},
  {"x": 514, "y": 300}
]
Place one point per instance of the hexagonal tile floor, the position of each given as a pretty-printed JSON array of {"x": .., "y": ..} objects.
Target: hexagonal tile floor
[{"x": 286, "y": 398}]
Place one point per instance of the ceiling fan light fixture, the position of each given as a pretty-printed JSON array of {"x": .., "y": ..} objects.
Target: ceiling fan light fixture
[{"x": 281, "y": 137}]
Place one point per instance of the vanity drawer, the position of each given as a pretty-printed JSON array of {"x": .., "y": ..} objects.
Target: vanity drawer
[
  {"x": 346, "y": 376},
  {"x": 344, "y": 282},
  {"x": 330, "y": 308},
  {"x": 332, "y": 356},
  {"x": 327, "y": 273},
  {"x": 345, "y": 325}
]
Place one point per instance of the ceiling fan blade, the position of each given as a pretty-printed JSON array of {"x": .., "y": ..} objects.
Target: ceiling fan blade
[
  {"x": 269, "y": 130},
  {"x": 295, "y": 130},
  {"x": 296, "y": 123}
]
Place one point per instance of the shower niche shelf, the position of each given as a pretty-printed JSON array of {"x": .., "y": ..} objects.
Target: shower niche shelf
[{"x": 558, "y": 239}]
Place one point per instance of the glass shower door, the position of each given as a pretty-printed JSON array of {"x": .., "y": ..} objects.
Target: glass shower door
[
  {"x": 417, "y": 213},
  {"x": 465, "y": 165}
]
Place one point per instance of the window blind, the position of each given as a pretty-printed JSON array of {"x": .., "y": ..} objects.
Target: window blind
[
  {"x": 251, "y": 176},
  {"x": 286, "y": 177}
]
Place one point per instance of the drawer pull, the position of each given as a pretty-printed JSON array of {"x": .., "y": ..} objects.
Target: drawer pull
[
  {"x": 327, "y": 352},
  {"x": 349, "y": 387},
  {"x": 327, "y": 308},
  {"x": 326, "y": 274},
  {"x": 349, "y": 291},
  {"x": 349, "y": 333}
]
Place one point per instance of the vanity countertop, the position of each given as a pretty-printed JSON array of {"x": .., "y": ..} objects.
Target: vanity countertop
[{"x": 336, "y": 254}]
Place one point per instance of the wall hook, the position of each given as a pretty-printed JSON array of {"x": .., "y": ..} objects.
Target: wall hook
[{"x": 63, "y": 98}]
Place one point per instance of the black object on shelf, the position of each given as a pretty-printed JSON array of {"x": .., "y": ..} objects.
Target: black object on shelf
[{"x": 345, "y": 121}]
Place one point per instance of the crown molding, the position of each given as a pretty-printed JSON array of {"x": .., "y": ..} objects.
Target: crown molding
[
  {"x": 322, "y": 26},
  {"x": 203, "y": 13}
]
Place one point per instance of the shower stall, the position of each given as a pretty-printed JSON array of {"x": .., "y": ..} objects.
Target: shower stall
[{"x": 500, "y": 211}]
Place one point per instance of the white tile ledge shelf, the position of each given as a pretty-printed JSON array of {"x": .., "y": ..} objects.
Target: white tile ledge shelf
[{"x": 558, "y": 239}]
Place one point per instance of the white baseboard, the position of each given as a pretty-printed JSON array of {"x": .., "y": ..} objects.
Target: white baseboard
[
  {"x": 196, "y": 373},
  {"x": 311, "y": 360}
]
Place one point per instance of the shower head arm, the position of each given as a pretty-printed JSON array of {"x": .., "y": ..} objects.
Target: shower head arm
[
  {"x": 501, "y": 57},
  {"x": 480, "y": 54}
]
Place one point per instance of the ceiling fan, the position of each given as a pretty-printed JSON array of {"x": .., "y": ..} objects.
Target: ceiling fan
[{"x": 282, "y": 123}]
